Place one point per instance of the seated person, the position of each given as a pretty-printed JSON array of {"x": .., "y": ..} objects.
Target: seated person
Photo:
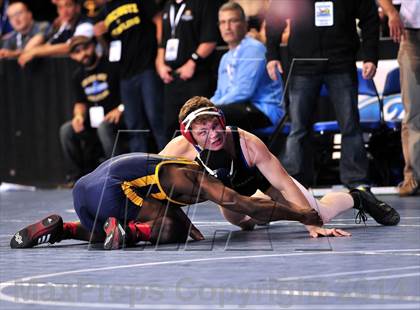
[
  {"x": 57, "y": 41},
  {"x": 136, "y": 190},
  {"x": 245, "y": 93},
  {"x": 26, "y": 33},
  {"x": 97, "y": 112}
]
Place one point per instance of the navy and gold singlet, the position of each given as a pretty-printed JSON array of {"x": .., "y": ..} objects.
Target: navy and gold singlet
[{"x": 117, "y": 187}]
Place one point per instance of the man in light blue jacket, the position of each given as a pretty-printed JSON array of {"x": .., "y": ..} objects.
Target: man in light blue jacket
[{"x": 245, "y": 92}]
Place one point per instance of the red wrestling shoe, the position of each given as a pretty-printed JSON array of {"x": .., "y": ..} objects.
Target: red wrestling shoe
[
  {"x": 49, "y": 230},
  {"x": 115, "y": 234}
]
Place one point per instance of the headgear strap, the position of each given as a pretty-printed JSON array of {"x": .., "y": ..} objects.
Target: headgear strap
[{"x": 202, "y": 111}]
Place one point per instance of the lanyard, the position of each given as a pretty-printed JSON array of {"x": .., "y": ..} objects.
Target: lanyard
[
  {"x": 232, "y": 62},
  {"x": 174, "y": 20},
  {"x": 62, "y": 28},
  {"x": 19, "y": 40}
]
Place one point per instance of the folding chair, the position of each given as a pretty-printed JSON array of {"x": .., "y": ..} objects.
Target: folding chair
[
  {"x": 385, "y": 144},
  {"x": 392, "y": 101},
  {"x": 370, "y": 107}
]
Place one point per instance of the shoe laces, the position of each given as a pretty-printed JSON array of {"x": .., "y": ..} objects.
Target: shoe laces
[{"x": 361, "y": 216}]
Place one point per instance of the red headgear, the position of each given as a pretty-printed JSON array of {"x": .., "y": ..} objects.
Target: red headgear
[{"x": 185, "y": 125}]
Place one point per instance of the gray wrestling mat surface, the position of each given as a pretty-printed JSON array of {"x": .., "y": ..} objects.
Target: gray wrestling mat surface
[{"x": 270, "y": 268}]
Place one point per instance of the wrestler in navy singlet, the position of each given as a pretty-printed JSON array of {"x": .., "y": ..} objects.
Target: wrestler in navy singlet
[{"x": 117, "y": 187}]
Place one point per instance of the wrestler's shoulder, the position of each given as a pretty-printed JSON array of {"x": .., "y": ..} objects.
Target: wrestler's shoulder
[{"x": 178, "y": 146}]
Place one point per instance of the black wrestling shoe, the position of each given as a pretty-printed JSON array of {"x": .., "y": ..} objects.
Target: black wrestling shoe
[
  {"x": 50, "y": 229},
  {"x": 366, "y": 202},
  {"x": 116, "y": 235}
]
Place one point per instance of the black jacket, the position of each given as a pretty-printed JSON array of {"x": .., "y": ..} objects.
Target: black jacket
[{"x": 339, "y": 43}]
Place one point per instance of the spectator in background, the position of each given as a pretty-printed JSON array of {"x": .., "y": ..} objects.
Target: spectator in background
[
  {"x": 97, "y": 112},
  {"x": 131, "y": 25},
  {"x": 92, "y": 9},
  {"x": 384, "y": 29},
  {"x": 5, "y": 26},
  {"x": 56, "y": 43},
  {"x": 66, "y": 22},
  {"x": 405, "y": 28},
  {"x": 245, "y": 93},
  {"x": 26, "y": 33},
  {"x": 184, "y": 55},
  {"x": 255, "y": 12},
  {"x": 325, "y": 29}
]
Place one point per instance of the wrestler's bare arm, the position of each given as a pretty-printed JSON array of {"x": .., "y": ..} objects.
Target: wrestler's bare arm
[
  {"x": 258, "y": 155},
  {"x": 153, "y": 209},
  {"x": 190, "y": 182}
]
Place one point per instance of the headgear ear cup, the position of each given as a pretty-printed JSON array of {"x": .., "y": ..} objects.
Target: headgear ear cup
[
  {"x": 187, "y": 134},
  {"x": 185, "y": 125}
]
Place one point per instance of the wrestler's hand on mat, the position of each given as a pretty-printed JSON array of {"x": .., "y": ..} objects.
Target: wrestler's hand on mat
[
  {"x": 247, "y": 224},
  {"x": 312, "y": 217},
  {"x": 195, "y": 233},
  {"x": 316, "y": 231}
]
